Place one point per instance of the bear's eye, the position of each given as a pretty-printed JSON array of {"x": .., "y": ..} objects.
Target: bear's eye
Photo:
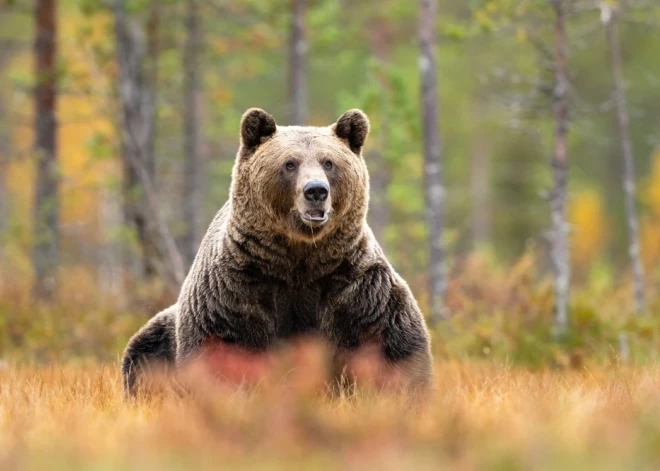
[
  {"x": 290, "y": 166},
  {"x": 327, "y": 165}
]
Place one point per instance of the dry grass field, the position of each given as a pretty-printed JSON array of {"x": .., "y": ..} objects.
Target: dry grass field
[
  {"x": 480, "y": 416},
  {"x": 507, "y": 395}
]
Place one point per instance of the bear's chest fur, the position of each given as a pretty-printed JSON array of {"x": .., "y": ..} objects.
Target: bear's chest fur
[
  {"x": 293, "y": 290},
  {"x": 297, "y": 310}
]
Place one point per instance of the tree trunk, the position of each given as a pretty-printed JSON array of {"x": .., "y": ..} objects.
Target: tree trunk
[
  {"x": 192, "y": 198},
  {"x": 150, "y": 88},
  {"x": 45, "y": 256},
  {"x": 4, "y": 163},
  {"x": 5, "y": 150},
  {"x": 136, "y": 101},
  {"x": 136, "y": 98},
  {"x": 4, "y": 210},
  {"x": 480, "y": 186},
  {"x": 109, "y": 252},
  {"x": 4, "y": 197},
  {"x": 559, "y": 238},
  {"x": 433, "y": 186},
  {"x": 609, "y": 18},
  {"x": 380, "y": 41},
  {"x": 298, "y": 64},
  {"x": 379, "y": 208}
]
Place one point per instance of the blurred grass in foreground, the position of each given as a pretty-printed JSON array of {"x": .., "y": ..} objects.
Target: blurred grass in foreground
[{"x": 480, "y": 417}]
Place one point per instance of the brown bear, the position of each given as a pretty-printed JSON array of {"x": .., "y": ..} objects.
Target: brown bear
[{"x": 291, "y": 254}]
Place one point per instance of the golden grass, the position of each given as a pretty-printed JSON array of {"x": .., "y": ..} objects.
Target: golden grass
[{"x": 480, "y": 417}]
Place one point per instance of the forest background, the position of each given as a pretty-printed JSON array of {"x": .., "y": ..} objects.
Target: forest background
[{"x": 117, "y": 141}]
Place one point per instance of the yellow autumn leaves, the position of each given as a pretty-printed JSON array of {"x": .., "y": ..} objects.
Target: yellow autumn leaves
[{"x": 591, "y": 224}]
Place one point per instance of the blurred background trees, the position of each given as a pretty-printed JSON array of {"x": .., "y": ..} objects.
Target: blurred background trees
[
  {"x": 45, "y": 256},
  {"x": 119, "y": 137}
]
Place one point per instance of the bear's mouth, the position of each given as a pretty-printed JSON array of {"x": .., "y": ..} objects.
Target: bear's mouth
[{"x": 315, "y": 216}]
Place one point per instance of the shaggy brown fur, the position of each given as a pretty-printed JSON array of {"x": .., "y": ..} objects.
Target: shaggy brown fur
[{"x": 276, "y": 263}]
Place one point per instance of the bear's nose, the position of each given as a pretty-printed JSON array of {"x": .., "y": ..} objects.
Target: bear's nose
[{"x": 316, "y": 191}]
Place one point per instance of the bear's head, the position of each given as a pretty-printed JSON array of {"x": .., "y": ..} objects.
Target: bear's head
[{"x": 301, "y": 181}]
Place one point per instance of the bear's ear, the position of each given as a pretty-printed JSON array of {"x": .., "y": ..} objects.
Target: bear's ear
[
  {"x": 352, "y": 127},
  {"x": 256, "y": 127}
]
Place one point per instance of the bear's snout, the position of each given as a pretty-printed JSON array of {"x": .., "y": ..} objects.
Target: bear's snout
[
  {"x": 314, "y": 208},
  {"x": 316, "y": 191}
]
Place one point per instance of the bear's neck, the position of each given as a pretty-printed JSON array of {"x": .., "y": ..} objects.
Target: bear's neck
[{"x": 276, "y": 253}]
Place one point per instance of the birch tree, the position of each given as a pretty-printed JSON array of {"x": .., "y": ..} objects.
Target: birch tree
[
  {"x": 609, "y": 17},
  {"x": 559, "y": 237},
  {"x": 380, "y": 169},
  {"x": 433, "y": 187},
  {"x": 192, "y": 198},
  {"x": 298, "y": 47},
  {"x": 480, "y": 176}
]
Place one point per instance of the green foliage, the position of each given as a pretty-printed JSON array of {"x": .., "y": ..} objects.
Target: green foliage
[{"x": 100, "y": 146}]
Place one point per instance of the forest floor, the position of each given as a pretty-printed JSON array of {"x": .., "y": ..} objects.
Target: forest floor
[{"x": 480, "y": 416}]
